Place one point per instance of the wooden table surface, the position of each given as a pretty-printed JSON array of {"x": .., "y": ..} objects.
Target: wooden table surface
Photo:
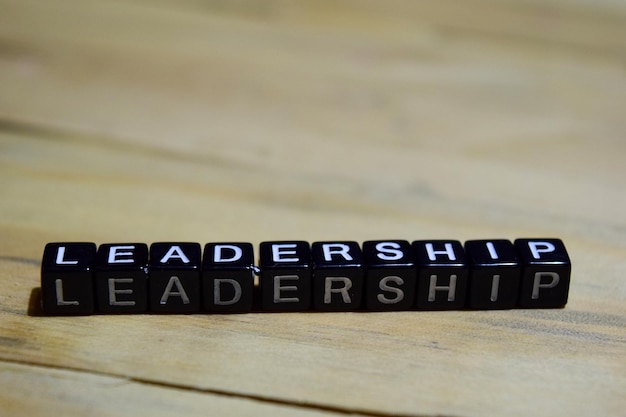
[{"x": 125, "y": 121}]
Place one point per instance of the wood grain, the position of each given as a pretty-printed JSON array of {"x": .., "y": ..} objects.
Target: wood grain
[
  {"x": 76, "y": 394},
  {"x": 251, "y": 121}
]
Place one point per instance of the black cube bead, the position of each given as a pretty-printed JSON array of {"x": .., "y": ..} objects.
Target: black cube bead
[
  {"x": 390, "y": 275},
  {"x": 121, "y": 278},
  {"x": 546, "y": 270},
  {"x": 442, "y": 274},
  {"x": 337, "y": 276},
  {"x": 285, "y": 279},
  {"x": 228, "y": 277},
  {"x": 174, "y": 277},
  {"x": 494, "y": 274},
  {"x": 67, "y": 278}
]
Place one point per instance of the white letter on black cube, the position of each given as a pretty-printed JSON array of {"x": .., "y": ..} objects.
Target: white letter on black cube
[
  {"x": 442, "y": 274},
  {"x": 174, "y": 277},
  {"x": 121, "y": 278},
  {"x": 285, "y": 275},
  {"x": 67, "y": 278},
  {"x": 390, "y": 275},
  {"x": 228, "y": 277},
  {"x": 337, "y": 276},
  {"x": 546, "y": 272},
  {"x": 494, "y": 274}
]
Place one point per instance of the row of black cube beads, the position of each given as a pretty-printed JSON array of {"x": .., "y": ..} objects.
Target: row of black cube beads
[{"x": 173, "y": 277}]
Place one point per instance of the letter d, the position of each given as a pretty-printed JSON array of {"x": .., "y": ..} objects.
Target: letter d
[{"x": 217, "y": 294}]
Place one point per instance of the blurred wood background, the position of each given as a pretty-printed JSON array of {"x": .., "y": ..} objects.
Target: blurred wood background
[{"x": 202, "y": 121}]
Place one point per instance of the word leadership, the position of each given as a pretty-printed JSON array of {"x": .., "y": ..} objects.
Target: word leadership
[{"x": 77, "y": 279}]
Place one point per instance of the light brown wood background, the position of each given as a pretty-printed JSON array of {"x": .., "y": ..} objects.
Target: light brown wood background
[{"x": 145, "y": 121}]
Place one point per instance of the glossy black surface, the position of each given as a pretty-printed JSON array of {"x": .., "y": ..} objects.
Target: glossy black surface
[
  {"x": 494, "y": 274},
  {"x": 174, "y": 277},
  {"x": 338, "y": 276},
  {"x": 77, "y": 279},
  {"x": 442, "y": 274},
  {"x": 546, "y": 270},
  {"x": 228, "y": 277},
  {"x": 67, "y": 278},
  {"x": 390, "y": 275},
  {"x": 285, "y": 278},
  {"x": 121, "y": 278}
]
